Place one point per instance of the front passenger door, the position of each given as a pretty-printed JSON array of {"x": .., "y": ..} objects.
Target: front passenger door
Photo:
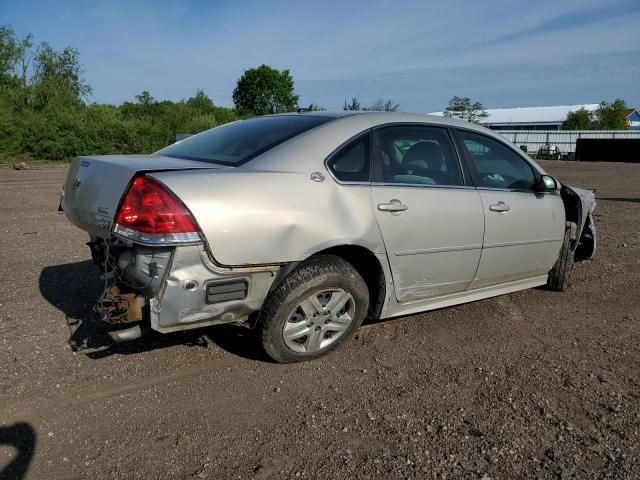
[{"x": 523, "y": 228}]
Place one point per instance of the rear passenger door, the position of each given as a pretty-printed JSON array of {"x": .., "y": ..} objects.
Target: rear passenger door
[
  {"x": 524, "y": 228},
  {"x": 430, "y": 217}
]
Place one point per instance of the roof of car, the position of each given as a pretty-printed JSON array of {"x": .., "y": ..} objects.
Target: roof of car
[
  {"x": 320, "y": 141},
  {"x": 376, "y": 117}
]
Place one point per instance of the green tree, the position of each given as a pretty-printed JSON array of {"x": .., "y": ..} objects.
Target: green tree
[
  {"x": 611, "y": 116},
  {"x": 25, "y": 57},
  {"x": 578, "y": 120},
  {"x": 201, "y": 102},
  {"x": 58, "y": 77},
  {"x": 9, "y": 55},
  {"x": 314, "y": 107},
  {"x": 15, "y": 59},
  {"x": 225, "y": 115},
  {"x": 145, "y": 98},
  {"x": 381, "y": 105},
  {"x": 265, "y": 90},
  {"x": 353, "y": 105},
  {"x": 465, "y": 109},
  {"x": 44, "y": 112}
]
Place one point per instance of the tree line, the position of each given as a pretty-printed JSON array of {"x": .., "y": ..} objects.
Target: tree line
[
  {"x": 45, "y": 112},
  {"x": 607, "y": 116}
]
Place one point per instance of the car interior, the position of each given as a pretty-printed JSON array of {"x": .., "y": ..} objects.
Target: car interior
[
  {"x": 421, "y": 156},
  {"x": 352, "y": 164},
  {"x": 497, "y": 166}
]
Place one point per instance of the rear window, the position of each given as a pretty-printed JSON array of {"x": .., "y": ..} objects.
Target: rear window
[{"x": 239, "y": 142}]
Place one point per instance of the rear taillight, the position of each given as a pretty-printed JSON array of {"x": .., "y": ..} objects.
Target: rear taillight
[{"x": 150, "y": 214}]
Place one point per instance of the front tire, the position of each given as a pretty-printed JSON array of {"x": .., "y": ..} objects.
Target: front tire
[
  {"x": 560, "y": 274},
  {"x": 315, "y": 309}
]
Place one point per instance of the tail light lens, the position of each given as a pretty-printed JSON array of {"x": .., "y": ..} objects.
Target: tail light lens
[{"x": 150, "y": 214}]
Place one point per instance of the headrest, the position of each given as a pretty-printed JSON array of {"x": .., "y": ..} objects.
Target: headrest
[{"x": 424, "y": 155}]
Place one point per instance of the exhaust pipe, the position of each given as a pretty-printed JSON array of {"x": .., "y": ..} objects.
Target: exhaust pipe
[{"x": 126, "y": 334}]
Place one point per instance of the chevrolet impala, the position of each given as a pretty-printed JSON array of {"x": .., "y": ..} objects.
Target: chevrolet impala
[{"x": 302, "y": 225}]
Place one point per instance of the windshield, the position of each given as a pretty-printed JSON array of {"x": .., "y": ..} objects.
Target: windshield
[{"x": 238, "y": 142}]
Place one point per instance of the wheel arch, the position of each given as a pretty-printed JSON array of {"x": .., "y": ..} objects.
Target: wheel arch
[
  {"x": 586, "y": 247},
  {"x": 364, "y": 261}
]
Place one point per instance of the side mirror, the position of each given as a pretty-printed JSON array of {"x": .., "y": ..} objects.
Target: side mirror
[{"x": 548, "y": 183}]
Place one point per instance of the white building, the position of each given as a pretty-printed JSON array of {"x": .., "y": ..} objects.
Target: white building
[{"x": 530, "y": 118}]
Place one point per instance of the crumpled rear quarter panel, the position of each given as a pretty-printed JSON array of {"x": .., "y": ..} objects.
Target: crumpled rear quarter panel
[{"x": 257, "y": 218}]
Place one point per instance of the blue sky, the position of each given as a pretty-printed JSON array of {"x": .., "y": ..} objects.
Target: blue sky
[{"x": 420, "y": 53}]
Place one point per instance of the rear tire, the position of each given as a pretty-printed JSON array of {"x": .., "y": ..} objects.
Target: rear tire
[
  {"x": 315, "y": 310},
  {"x": 560, "y": 274}
]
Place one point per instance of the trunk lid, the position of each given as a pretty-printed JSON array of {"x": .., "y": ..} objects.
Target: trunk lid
[{"x": 94, "y": 186}]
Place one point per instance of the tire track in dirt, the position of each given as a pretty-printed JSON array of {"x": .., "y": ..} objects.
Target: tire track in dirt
[{"x": 36, "y": 408}]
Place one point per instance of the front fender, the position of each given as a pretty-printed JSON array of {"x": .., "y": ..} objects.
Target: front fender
[
  {"x": 579, "y": 206},
  {"x": 587, "y": 206}
]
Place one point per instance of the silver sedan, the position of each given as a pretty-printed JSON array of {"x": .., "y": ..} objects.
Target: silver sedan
[{"x": 301, "y": 225}]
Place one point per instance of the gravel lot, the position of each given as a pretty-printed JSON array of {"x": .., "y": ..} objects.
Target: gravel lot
[{"x": 534, "y": 384}]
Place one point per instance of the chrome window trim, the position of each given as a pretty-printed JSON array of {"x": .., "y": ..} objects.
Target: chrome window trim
[
  {"x": 423, "y": 185},
  {"x": 515, "y": 190},
  {"x": 451, "y": 132},
  {"x": 362, "y": 184},
  {"x": 447, "y": 187}
]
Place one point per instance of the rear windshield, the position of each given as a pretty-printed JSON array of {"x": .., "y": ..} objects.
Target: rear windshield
[{"x": 239, "y": 142}]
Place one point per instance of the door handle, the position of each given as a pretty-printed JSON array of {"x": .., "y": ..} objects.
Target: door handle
[
  {"x": 394, "y": 206},
  {"x": 499, "y": 207}
]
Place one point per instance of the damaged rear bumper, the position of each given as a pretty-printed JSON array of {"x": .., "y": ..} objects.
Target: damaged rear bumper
[
  {"x": 197, "y": 293},
  {"x": 179, "y": 288}
]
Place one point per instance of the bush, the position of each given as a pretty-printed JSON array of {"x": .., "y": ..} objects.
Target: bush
[
  {"x": 62, "y": 132},
  {"x": 44, "y": 115}
]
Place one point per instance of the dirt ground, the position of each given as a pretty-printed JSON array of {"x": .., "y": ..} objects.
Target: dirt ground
[{"x": 536, "y": 384}]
